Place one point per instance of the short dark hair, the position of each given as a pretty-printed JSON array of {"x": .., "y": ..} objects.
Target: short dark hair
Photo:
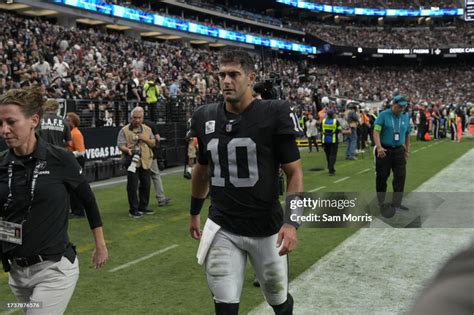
[
  {"x": 238, "y": 56},
  {"x": 30, "y": 100}
]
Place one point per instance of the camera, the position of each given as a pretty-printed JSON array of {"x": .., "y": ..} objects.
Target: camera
[
  {"x": 269, "y": 87},
  {"x": 133, "y": 165}
]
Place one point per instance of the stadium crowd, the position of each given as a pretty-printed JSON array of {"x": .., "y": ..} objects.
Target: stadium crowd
[
  {"x": 89, "y": 64},
  {"x": 236, "y": 10},
  {"x": 389, "y": 4},
  {"x": 461, "y": 35}
]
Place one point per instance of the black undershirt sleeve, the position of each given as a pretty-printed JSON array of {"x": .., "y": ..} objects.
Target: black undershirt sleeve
[
  {"x": 286, "y": 149},
  {"x": 201, "y": 153},
  {"x": 84, "y": 193}
]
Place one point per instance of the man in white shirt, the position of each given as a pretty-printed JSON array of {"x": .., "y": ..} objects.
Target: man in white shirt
[
  {"x": 312, "y": 133},
  {"x": 43, "y": 69},
  {"x": 61, "y": 67}
]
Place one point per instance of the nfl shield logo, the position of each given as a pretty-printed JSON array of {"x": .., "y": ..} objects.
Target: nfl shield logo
[{"x": 228, "y": 127}]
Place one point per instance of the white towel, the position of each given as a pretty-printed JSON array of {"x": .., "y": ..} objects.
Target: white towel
[{"x": 208, "y": 233}]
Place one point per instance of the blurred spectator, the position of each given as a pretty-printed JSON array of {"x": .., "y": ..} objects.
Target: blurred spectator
[
  {"x": 353, "y": 121},
  {"x": 61, "y": 68},
  {"x": 78, "y": 148},
  {"x": 43, "y": 69}
]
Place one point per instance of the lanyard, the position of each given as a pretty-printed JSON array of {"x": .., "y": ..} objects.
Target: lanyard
[
  {"x": 399, "y": 124},
  {"x": 32, "y": 190}
]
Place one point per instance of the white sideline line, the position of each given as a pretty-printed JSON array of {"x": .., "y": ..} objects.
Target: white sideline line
[
  {"x": 124, "y": 180},
  {"x": 143, "y": 258},
  {"x": 422, "y": 148},
  {"x": 414, "y": 151},
  {"x": 363, "y": 171},
  {"x": 316, "y": 189},
  {"x": 342, "y": 179}
]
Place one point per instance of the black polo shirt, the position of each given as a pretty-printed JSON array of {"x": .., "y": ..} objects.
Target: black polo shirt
[
  {"x": 45, "y": 228},
  {"x": 55, "y": 130}
]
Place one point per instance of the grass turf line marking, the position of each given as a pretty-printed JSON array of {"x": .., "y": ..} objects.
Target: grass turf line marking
[
  {"x": 342, "y": 179},
  {"x": 316, "y": 189},
  {"x": 143, "y": 258},
  {"x": 179, "y": 217},
  {"x": 142, "y": 229},
  {"x": 363, "y": 171}
]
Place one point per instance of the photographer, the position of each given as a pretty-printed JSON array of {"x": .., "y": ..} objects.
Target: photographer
[
  {"x": 151, "y": 92},
  {"x": 136, "y": 141}
]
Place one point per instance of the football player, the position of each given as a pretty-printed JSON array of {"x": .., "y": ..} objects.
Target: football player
[{"x": 241, "y": 144}]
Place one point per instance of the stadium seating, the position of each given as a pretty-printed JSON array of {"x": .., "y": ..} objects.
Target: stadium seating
[
  {"x": 100, "y": 65},
  {"x": 398, "y": 4}
]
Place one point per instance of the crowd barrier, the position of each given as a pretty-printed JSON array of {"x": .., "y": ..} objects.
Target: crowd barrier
[{"x": 108, "y": 113}]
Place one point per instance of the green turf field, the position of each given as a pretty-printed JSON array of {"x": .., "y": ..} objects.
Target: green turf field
[{"x": 172, "y": 282}]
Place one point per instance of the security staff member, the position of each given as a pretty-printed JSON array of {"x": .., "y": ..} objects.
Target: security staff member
[
  {"x": 136, "y": 141},
  {"x": 35, "y": 179},
  {"x": 330, "y": 128},
  {"x": 54, "y": 129},
  {"x": 392, "y": 142}
]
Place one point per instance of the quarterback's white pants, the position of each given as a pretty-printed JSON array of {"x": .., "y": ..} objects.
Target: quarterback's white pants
[
  {"x": 49, "y": 283},
  {"x": 226, "y": 261}
]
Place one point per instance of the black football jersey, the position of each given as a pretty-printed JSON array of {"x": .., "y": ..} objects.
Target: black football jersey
[{"x": 243, "y": 166}]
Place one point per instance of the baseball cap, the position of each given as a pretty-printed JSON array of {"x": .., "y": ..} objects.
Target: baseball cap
[{"x": 400, "y": 100}]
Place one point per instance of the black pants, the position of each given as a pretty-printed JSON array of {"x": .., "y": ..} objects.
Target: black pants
[
  {"x": 393, "y": 161},
  {"x": 153, "y": 109},
  {"x": 76, "y": 206},
  {"x": 140, "y": 180},
  {"x": 311, "y": 141},
  {"x": 331, "y": 154}
]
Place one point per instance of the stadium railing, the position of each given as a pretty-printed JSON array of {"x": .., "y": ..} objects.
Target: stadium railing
[{"x": 109, "y": 113}]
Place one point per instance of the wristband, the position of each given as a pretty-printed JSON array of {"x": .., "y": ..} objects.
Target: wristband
[{"x": 196, "y": 205}]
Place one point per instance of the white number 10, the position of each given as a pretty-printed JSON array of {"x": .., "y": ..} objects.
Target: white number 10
[{"x": 251, "y": 148}]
